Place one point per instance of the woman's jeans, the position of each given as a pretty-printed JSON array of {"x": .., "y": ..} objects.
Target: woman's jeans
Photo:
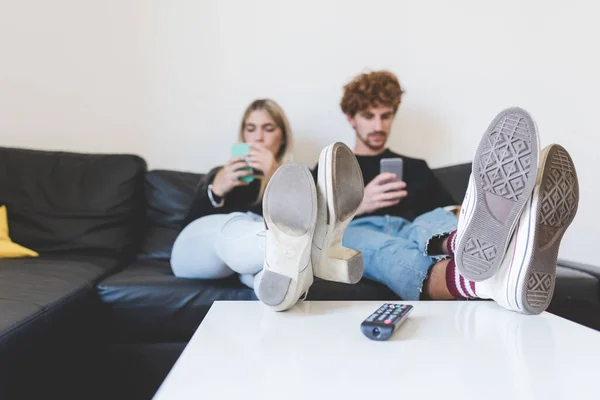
[{"x": 220, "y": 245}]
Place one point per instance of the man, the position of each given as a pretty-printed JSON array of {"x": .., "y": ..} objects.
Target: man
[
  {"x": 370, "y": 103},
  {"x": 505, "y": 243}
]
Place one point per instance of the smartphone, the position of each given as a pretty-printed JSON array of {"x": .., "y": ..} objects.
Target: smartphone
[
  {"x": 393, "y": 165},
  {"x": 241, "y": 150}
]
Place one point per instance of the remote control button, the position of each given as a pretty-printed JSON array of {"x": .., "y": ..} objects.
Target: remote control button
[{"x": 387, "y": 321}]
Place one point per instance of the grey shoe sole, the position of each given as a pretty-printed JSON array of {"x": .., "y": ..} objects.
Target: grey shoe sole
[
  {"x": 348, "y": 185},
  {"x": 556, "y": 209},
  {"x": 289, "y": 208},
  {"x": 504, "y": 172},
  {"x": 340, "y": 193}
]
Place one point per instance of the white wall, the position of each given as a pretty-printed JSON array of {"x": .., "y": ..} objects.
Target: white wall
[{"x": 169, "y": 79}]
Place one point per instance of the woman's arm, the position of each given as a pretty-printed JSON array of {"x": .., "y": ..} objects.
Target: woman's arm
[
  {"x": 201, "y": 204},
  {"x": 241, "y": 198}
]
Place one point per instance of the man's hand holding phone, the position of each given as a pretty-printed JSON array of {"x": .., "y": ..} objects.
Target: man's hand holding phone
[{"x": 383, "y": 191}]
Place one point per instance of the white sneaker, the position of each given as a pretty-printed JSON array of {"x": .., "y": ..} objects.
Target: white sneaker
[
  {"x": 340, "y": 192},
  {"x": 502, "y": 179},
  {"x": 526, "y": 278},
  {"x": 290, "y": 212}
]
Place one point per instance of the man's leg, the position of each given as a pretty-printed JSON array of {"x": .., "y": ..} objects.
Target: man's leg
[
  {"x": 393, "y": 258},
  {"x": 394, "y": 254},
  {"x": 433, "y": 234},
  {"x": 435, "y": 287},
  {"x": 514, "y": 215},
  {"x": 526, "y": 277},
  {"x": 372, "y": 237}
]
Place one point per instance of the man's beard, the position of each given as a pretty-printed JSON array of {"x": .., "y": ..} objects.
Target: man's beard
[{"x": 368, "y": 144}]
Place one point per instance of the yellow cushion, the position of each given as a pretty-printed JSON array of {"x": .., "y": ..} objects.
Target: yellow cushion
[{"x": 8, "y": 249}]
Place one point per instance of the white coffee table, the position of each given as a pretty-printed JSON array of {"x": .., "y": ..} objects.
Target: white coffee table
[{"x": 446, "y": 350}]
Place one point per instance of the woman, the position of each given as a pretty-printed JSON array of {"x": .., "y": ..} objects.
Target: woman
[{"x": 223, "y": 230}]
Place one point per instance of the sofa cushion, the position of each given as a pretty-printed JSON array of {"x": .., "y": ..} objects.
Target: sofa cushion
[
  {"x": 364, "y": 290},
  {"x": 455, "y": 179},
  {"x": 14, "y": 312},
  {"x": 573, "y": 284},
  {"x": 73, "y": 203},
  {"x": 146, "y": 303},
  {"x": 37, "y": 295},
  {"x": 168, "y": 196}
]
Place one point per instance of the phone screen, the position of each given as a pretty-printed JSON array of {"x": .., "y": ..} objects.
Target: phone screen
[
  {"x": 393, "y": 165},
  {"x": 240, "y": 150}
]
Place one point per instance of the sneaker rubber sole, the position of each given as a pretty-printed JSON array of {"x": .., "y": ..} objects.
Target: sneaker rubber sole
[
  {"x": 554, "y": 208},
  {"x": 504, "y": 173}
]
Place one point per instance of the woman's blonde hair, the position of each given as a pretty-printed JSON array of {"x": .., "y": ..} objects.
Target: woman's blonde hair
[{"x": 285, "y": 152}]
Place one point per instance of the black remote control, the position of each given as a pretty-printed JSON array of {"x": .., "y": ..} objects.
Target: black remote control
[{"x": 382, "y": 324}]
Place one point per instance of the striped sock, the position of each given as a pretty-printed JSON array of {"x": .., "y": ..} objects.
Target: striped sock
[
  {"x": 451, "y": 243},
  {"x": 458, "y": 286}
]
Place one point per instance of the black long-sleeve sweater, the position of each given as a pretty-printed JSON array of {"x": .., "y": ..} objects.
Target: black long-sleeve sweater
[
  {"x": 425, "y": 192},
  {"x": 241, "y": 198}
]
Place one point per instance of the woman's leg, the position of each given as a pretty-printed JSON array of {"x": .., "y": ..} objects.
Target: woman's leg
[
  {"x": 241, "y": 243},
  {"x": 194, "y": 254},
  {"x": 217, "y": 246}
]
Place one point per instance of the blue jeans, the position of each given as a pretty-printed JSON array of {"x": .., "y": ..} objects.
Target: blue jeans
[{"x": 394, "y": 249}]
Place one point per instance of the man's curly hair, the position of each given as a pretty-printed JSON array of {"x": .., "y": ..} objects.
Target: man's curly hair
[{"x": 377, "y": 88}]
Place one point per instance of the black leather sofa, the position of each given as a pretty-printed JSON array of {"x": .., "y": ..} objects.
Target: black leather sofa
[{"x": 99, "y": 314}]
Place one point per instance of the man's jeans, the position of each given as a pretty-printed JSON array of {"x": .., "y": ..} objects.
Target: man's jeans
[{"x": 394, "y": 249}]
